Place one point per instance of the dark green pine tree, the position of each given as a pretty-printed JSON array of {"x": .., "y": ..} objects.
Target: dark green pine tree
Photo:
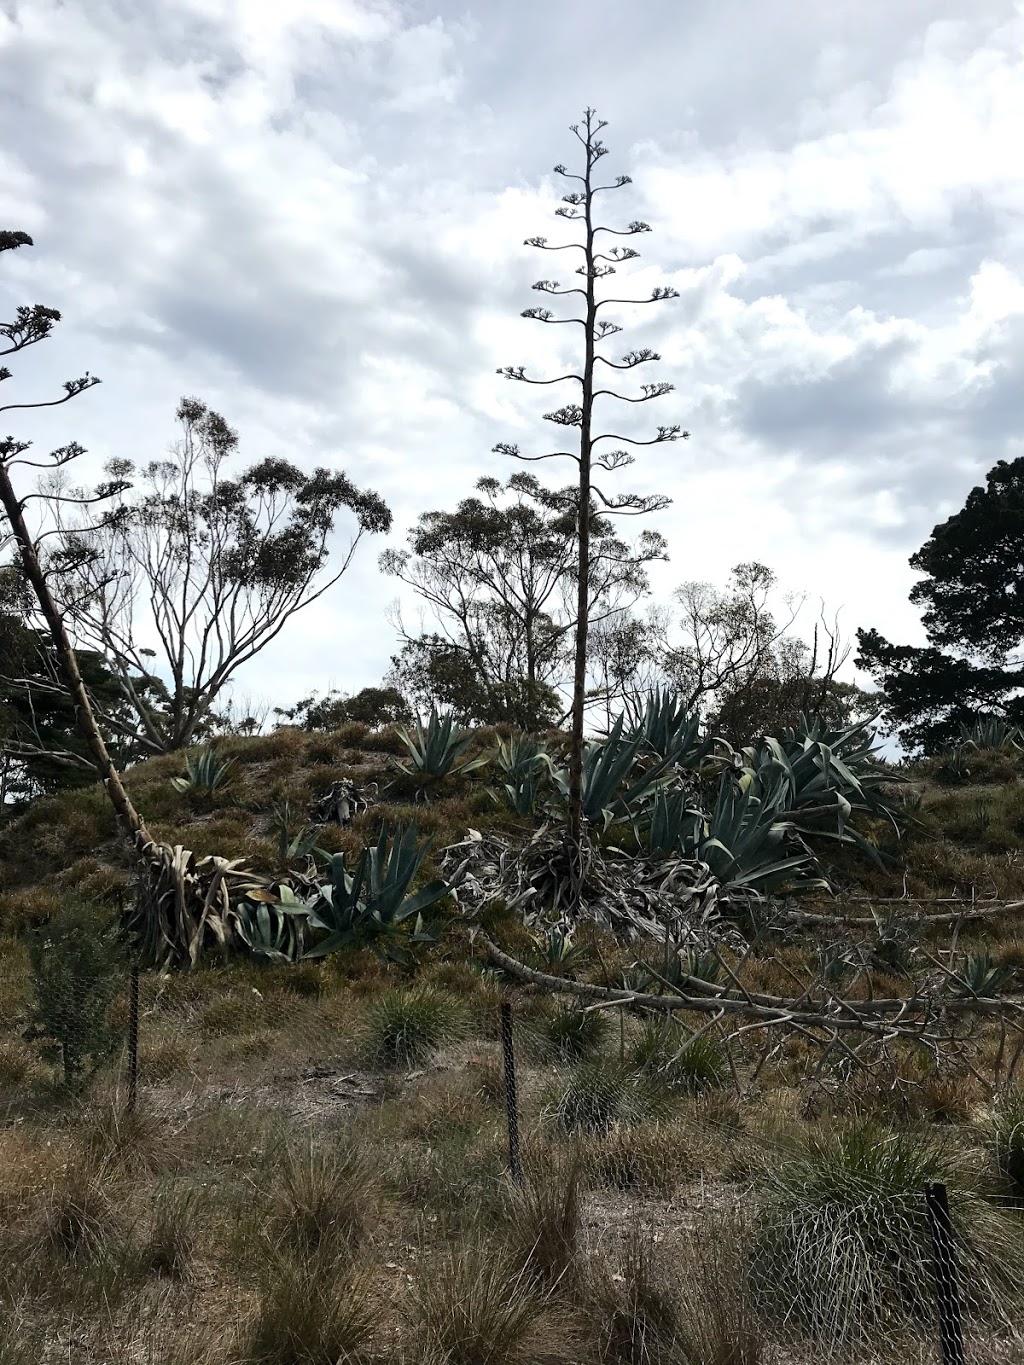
[{"x": 973, "y": 600}]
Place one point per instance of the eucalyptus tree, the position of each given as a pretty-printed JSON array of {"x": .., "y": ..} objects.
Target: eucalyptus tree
[
  {"x": 206, "y": 567},
  {"x": 499, "y": 577},
  {"x": 29, "y": 327},
  {"x": 579, "y": 205}
]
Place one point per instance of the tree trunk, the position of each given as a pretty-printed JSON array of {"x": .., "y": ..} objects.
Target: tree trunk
[{"x": 127, "y": 815}]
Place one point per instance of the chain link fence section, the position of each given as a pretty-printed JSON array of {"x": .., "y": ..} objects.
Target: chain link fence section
[{"x": 855, "y": 1277}]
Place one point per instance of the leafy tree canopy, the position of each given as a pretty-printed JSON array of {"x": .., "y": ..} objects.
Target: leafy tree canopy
[
  {"x": 373, "y": 706},
  {"x": 974, "y": 618}
]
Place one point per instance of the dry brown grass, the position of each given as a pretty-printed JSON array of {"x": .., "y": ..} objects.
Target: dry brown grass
[{"x": 268, "y": 1154}]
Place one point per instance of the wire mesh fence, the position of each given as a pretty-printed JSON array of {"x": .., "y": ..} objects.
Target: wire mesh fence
[{"x": 867, "y": 1260}]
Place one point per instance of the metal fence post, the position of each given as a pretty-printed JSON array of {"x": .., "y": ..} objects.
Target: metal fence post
[
  {"x": 947, "y": 1275},
  {"x": 133, "y": 1036},
  {"x": 511, "y": 1099}
]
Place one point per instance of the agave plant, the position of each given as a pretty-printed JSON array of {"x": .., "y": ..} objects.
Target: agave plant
[
  {"x": 299, "y": 844},
  {"x": 954, "y": 768},
  {"x": 521, "y": 762},
  {"x": 894, "y": 947},
  {"x": 834, "y": 963},
  {"x": 556, "y": 951},
  {"x": 670, "y": 731},
  {"x": 980, "y": 976},
  {"x": 677, "y": 965},
  {"x": 206, "y": 773},
  {"x": 823, "y": 778},
  {"x": 610, "y": 789},
  {"x": 671, "y": 822},
  {"x": 435, "y": 749},
  {"x": 270, "y": 927},
  {"x": 374, "y": 904},
  {"x": 991, "y": 733},
  {"x": 744, "y": 840}
]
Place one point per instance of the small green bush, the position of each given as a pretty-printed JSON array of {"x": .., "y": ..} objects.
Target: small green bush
[
  {"x": 567, "y": 1034},
  {"x": 77, "y": 968}
]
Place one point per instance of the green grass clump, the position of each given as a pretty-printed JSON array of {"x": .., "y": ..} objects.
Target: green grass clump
[
  {"x": 406, "y": 1026},
  {"x": 599, "y": 1096},
  {"x": 474, "y": 1308},
  {"x": 545, "y": 1223},
  {"x": 1004, "y": 1135},
  {"x": 567, "y": 1034},
  {"x": 325, "y": 1199},
  {"x": 668, "y": 1052},
  {"x": 842, "y": 1249},
  {"x": 308, "y": 1314},
  {"x": 170, "y": 1245}
]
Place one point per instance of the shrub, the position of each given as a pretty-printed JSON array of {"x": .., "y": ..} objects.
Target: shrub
[
  {"x": 77, "y": 967},
  {"x": 668, "y": 1052},
  {"x": 405, "y": 1026}
]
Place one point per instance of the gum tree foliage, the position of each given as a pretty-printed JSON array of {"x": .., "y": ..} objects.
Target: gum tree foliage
[
  {"x": 210, "y": 567},
  {"x": 973, "y": 600},
  {"x": 373, "y": 706},
  {"x": 41, "y": 749},
  {"x": 499, "y": 576},
  {"x": 579, "y": 206},
  {"x": 724, "y": 653}
]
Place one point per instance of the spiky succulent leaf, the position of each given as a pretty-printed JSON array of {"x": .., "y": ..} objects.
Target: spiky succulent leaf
[{"x": 435, "y": 749}]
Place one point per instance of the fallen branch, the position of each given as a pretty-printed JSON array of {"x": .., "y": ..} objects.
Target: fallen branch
[{"x": 914, "y": 1017}]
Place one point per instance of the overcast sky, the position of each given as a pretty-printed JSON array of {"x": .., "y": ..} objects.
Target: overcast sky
[{"x": 311, "y": 215}]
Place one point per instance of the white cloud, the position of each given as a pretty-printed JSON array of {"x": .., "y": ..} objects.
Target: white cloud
[{"x": 312, "y": 216}]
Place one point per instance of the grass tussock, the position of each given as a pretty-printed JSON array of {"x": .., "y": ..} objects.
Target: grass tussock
[
  {"x": 309, "y": 1313},
  {"x": 686, "y": 1063},
  {"x": 405, "y": 1027},
  {"x": 842, "y": 1249},
  {"x": 565, "y": 1033},
  {"x": 545, "y": 1223},
  {"x": 325, "y": 1199},
  {"x": 599, "y": 1096},
  {"x": 476, "y": 1308}
]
